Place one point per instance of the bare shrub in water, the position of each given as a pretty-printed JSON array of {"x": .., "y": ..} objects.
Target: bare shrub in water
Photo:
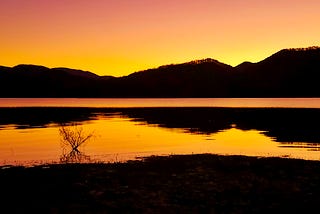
[{"x": 73, "y": 137}]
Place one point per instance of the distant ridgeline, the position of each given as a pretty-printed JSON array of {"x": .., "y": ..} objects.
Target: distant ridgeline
[{"x": 287, "y": 73}]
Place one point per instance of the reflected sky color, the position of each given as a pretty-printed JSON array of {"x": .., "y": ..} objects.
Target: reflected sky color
[
  {"x": 112, "y": 37},
  {"x": 119, "y": 139},
  {"x": 163, "y": 102},
  {"x": 31, "y": 135}
]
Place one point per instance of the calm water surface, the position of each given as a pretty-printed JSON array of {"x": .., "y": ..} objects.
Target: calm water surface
[
  {"x": 183, "y": 102},
  {"x": 129, "y": 128}
]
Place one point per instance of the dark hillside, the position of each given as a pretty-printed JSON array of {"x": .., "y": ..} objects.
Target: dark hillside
[
  {"x": 202, "y": 78},
  {"x": 39, "y": 81},
  {"x": 287, "y": 73}
]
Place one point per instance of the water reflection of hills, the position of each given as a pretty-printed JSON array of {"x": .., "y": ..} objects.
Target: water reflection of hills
[
  {"x": 38, "y": 117},
  {"x": 288, "y": 126}
]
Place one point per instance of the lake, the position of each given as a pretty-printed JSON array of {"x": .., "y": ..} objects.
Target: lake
[{"x": 125, "y": 129}]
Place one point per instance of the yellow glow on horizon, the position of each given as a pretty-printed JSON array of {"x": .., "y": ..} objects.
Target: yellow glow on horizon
[
  {"x": 121, "y": 66},
  {"x": 120, "y": 37}
]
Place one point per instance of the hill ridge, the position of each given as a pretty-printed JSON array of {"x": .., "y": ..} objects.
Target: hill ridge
[{"x": 293, "y": 72}]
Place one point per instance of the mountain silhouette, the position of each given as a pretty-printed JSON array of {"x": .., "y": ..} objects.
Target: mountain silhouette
[
  {"x": 39, "y": 81},
  {"x": 201, "y": 78},
  {"x": 287, "y": 73}
]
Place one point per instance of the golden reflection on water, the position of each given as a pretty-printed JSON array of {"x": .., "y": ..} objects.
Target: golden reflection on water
[
  {"x": 18, "y": 146},
  {"x": 119, "y": 139}
]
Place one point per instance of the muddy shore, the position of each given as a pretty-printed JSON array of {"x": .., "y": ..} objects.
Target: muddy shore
[{"x": 173, "y": 184}]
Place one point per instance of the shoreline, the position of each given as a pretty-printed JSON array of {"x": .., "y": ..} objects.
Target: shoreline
[{"x": 178, "y": 183}]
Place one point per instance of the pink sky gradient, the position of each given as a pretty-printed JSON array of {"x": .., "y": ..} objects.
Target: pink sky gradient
[{"x": 118, "y": 37}]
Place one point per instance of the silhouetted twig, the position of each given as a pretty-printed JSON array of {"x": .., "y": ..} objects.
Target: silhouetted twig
[{"x": 73, "y": 136}]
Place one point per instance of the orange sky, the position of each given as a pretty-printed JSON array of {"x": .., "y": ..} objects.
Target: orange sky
[{"x": 118, "y": 37}]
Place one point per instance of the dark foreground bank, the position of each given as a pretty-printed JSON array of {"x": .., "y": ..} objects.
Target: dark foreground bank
[{"x": 174, "y": 184}]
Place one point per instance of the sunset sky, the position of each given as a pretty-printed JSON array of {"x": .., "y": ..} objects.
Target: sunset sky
[{"x": 118, "y": 37}]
